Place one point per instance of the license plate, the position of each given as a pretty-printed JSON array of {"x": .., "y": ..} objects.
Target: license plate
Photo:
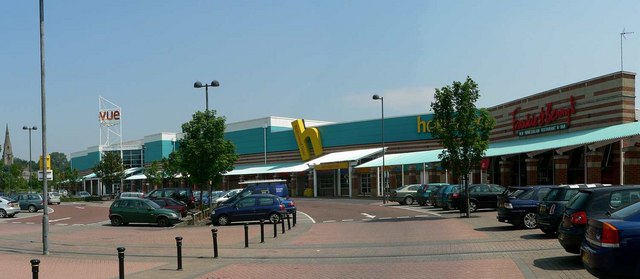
[{"x": 586, "y": 256}]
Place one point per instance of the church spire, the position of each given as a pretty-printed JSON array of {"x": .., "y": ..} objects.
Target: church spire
[{"x": 7, "y": 155}]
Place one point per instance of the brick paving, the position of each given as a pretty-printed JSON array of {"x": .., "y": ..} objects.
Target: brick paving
[{"x": 448, "y": 247}]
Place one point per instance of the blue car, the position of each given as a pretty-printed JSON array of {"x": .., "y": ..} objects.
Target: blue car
[
  {"x": 611, "y": 245},
  {"x": 519, "y": 205},
  {"x": 250, "y": 208}
]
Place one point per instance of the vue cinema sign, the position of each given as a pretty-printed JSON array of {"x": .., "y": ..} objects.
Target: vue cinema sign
[{"x": 546, "y": 120}]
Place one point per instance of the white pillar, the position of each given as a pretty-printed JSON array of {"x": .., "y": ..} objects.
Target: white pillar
[
  {"x": 350, "y": 183},
  {"x": 402, "y": 175},
  {"x": 315, "y": 183}
]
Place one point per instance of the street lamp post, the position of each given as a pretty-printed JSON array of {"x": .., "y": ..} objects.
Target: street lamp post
[
  {"x": 384, "y": 180},
  {"x": 30, "y": 129},
  {"x": 198, "y": 84}
]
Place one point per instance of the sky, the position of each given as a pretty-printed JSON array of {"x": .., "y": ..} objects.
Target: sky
[{"x": 316, "y": 60}]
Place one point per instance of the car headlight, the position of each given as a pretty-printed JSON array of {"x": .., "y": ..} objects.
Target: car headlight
[
  {"x": 213, "y": 212},
  {"x": 174, "y": 215}
]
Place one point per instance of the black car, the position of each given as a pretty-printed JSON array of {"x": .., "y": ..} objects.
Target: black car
[
  {"x": 551, "y": 208},
  {"x": 181, "y": 194},
  {"x": 519, "y": 205},
  {"x": 480, "y": 196},
  {"x": 590, "y": 204}
]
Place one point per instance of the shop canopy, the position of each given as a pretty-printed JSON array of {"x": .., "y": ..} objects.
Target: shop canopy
[
  {"x": 289, "y": 167},
  {"x": 527, "y": 145}
]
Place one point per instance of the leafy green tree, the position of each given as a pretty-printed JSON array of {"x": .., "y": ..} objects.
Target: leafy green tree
[
  {"x": 71, "y": 179},
  {"x": 154, "y": 173},
  {"x": 171, "y": 167},
  {"x": 204, "y": 152},
  {"x": 462, "y": 129},
  {"x": 110, "y": 169}
]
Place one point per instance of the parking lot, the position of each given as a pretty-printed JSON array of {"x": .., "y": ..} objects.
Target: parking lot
[{"x": 333, "y": 238}]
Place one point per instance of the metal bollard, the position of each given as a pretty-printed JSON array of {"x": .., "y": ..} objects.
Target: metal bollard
[
  {"x": 246, "y": 235},
  {"x": 261, "y": 231},
  {"x": 179, "y": 250},
  {"x": 288, "y": 222},
  {"x": 275, "y": 229},
  {"x": 35, "y": 268},
  {"x": 282, "y": 222},
  {"x": 214, "y": 234},
  {"x": 294, "y": 218},
  {"x": 121, "y": 262}
]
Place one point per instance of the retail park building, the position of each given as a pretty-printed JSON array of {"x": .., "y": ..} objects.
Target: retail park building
[{"x": 584, "y": 132}]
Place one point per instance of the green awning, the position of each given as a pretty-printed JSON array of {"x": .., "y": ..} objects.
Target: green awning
[
  {"x": 524, "y": 145},
  {"x": 269, "y": 168}
]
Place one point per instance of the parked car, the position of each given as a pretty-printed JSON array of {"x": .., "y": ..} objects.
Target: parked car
[
  {"x": 443, "y": 196},
  {"x": 521, "y": 209},
  {"x": 82, "y": 194},
  {"x": 172, "y": 204},
  {"x": 289, "y": 205},
  {"x": 8, "y": 207},
  {"x": 249, "y": 208},
  {"x": 54, "y": 198},
  {"x": 182, "y": 194},
  {"x": 588, "y": 204},
  {"x": 129, "y": 195},
  {"x": 406, "y": 194},
  {"x": 551, "y": 208},
  {"x": 276, "y": 187},
  {"x": 31, "y": 202},
  {"x": 137, "y": 210},
  {"x": 422, "y": 197},
  {"x": 433, "y": 196},
  {"x": 480, "y": 196},
  {"x": 611, "y": 245},
  {"x": 226, "y": 196}
]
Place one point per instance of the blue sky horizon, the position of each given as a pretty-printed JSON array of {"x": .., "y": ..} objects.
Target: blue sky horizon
[{"x": 320, "y": 60}]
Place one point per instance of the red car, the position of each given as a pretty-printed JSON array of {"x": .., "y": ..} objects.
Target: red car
[{"x": 170, "y": 203}]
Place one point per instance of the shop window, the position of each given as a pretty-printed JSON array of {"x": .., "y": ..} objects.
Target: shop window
[{"x": 365, "y": 184}]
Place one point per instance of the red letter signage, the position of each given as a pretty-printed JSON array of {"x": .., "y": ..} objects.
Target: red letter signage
[{"x": 547, "y": 115}]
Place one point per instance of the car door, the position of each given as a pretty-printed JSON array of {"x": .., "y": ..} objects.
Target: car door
[
  {"x": 128, "y": 211},
  {"x": 23, "y": 200},
  {"x": 144, "y": 213},
  {"x": 482, "y": 194},
  {"x": 264, "y": 207},
  {"x": 244, "y": 209}
]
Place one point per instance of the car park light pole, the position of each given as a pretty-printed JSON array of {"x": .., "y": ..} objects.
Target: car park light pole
[
  {"x": 199, "y": 84},
  {"x": 30, "y": 129},
  {"x": 384, "y": 181}
]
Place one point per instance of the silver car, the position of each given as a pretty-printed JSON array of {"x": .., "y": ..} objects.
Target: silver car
[
  {"x": 54, "y": 198},
  {"x": 8, "y": 207}
]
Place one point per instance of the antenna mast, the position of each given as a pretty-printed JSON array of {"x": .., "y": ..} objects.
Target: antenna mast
[{"x": 622, "y": 35}]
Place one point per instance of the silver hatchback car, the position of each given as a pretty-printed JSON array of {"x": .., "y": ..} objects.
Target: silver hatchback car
[{"x": 8, "y": 207}]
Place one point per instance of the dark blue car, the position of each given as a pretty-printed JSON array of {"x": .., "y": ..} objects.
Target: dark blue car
[
  {"x": 552, "y": 206},
  {"x": 250, "y": 208},
  {"x": 519, "y": 205},
  {"x": 611, "y": 245}
]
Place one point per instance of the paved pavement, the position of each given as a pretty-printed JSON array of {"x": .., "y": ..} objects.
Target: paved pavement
[{"x": 425, "y": 243}]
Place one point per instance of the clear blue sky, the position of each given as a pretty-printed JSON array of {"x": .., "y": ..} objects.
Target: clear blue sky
[{"x": 320, "y": 60}]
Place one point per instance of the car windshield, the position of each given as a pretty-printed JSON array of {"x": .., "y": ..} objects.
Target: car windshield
[
  {"x": 152, "y": 204},
  {"x": 625, "y": 212}
]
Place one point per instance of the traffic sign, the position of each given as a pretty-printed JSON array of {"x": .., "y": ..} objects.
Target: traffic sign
[{"x": 49, "y": 175}]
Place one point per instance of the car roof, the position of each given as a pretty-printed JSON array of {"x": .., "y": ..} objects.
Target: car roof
[{"x": 610, "y": 188}]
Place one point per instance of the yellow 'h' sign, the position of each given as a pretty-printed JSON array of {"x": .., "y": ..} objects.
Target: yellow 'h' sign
[{"x": 303, "y": 136}]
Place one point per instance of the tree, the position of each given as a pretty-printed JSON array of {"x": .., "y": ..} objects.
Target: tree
[
  {"x": 171, "y": 167},
  {"x": 462, "y": 129},
  {"x": 59, "y": 164},
  {"x": 154, "y": 174},
  {"x": 204, "y": 153},
  {"x": 110, "y": 169}
]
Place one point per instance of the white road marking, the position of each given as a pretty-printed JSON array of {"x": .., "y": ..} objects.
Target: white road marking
[
  {"x": 61, "y": 224},
  {"x": 403, "y": 217},
  {"x": 368, "y": 215},
  {"x": 29, "y": 223},
  {"x": 16, "y": 222},
  {"x": 347, "y": 220},
  {"x": 422, "y": 216},
  {"x": 80, "y": 207},
  {"x": 56, "y": 220},
  {"x": 305, "y": 214},
  {"x": 385, "y": 218},
  {"x": 78, "y": 225},
  {"x": 329, "y": 221},
  {"x": 420, "y": 210}
]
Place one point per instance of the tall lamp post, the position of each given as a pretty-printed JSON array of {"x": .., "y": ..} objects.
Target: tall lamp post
[
  {"x": 384, "y": 180},
  {"x": 30, "y": 129},
  {"x": 199, "y": 84}
]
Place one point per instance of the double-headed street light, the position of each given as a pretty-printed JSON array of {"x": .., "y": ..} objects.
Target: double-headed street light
[
  {"x": 30, "y": 129},
  {"x": 199, "y": 84},
  {"x": 385, "y": 188}
]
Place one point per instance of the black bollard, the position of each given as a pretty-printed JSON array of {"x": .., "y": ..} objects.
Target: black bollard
[
  {"x": 261, "y": 231},
  {"x": 121, "y": 262},
  {"x": 179, "y": 247},
  {"x": 288, "y": 222},
  {"x": 35, "y": 268},
  {"x": 214, "y": 234},
  {"x": 282, "y": 222},
  {"x": 275, "y": 229},
  {"x": 246, "y": 235},
  {"x": 294, "y": 218}
]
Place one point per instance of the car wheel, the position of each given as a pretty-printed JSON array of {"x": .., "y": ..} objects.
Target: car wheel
[
  {"x": 223, "y": 220},
  {"x": 408, "y": 200},
  {"x": 3, "y": 214},
  {"x": 529, "y": 221},
  {"x": 116, "y": 221},
  {"x": 473, "y": 206},
  {"x": 163, "y": 221},
  {"x": 274, "y": 218},
  {"x": 32, "y": 208}
]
